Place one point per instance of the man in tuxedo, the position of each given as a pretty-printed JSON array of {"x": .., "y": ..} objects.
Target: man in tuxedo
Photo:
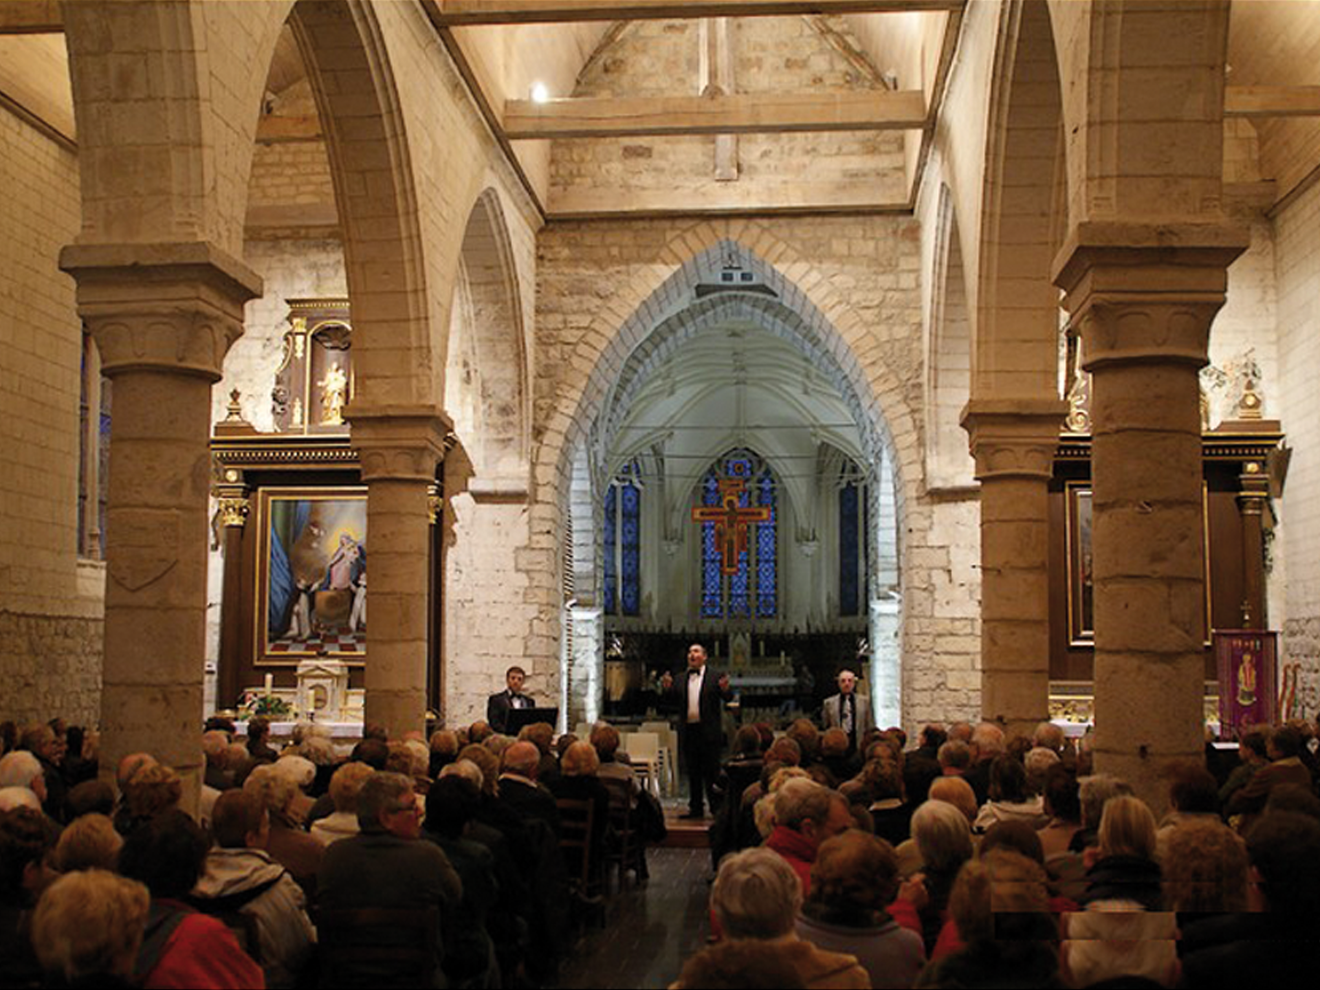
[
  {"x": 499, "y": 705},
  {"x": 700, "y": 697},
  {"x": 847, "y": 710}
]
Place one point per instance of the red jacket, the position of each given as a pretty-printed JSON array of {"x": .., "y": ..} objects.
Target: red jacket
[{"x": 798, "y": 850}]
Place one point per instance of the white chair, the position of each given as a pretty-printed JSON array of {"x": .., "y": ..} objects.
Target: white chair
[
  {"x": 668, "y": 754},
  {"x": 643, "y": 749}
]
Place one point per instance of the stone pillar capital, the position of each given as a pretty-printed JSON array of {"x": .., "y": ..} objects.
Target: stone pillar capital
[
  {"x": 1146, "y": 294},
  {"x": 399, "y": 443},
  {"x": 1014, "y": 437},
  {"x": 172, "y": 308}
]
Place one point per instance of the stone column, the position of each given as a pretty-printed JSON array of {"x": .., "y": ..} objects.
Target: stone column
[
  {"x": 163, "y": 316},
  {"x": 1013, "y": 442},
  {"x": 398, "y": 450},
  {"x": 1144, "y": 300}
]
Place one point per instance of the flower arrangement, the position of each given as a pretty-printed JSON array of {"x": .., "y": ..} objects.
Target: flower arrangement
[{"x": 271, "y": 706}]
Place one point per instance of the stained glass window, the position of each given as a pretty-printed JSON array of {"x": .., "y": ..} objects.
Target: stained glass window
[
  {"x": 848, "y": 533},
  {"x": 753, "y": 589},
  {"x": 621, "y": 539},
  {"x": 608, "y": 543}
]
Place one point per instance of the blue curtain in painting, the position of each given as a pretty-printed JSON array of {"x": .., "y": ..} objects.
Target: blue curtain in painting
[{"x": 287, "y": 520}]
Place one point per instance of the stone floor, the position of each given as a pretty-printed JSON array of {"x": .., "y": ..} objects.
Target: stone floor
[{"x": 651, "y": 930}]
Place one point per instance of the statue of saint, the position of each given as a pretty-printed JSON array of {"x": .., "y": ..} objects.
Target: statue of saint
[{"x": 334, "y": 393}]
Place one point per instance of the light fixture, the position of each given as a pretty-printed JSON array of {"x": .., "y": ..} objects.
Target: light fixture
[{"x": 540, "y": 94}]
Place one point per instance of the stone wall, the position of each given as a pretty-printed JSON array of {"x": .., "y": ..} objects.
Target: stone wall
[
  {"x": 769, "y": 54},
  {"x": 50, "y": 607},
  {"x": 1297, "y": 252},
  {"x": 50, "y": 665}
]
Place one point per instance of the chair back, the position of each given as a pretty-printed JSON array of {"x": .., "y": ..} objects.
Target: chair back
[
  {"x": 374, "y": 947},
  {"x": 577, "y": 820}
]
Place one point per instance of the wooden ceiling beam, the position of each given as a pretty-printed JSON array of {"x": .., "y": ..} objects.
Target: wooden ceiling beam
[
  {"x": 740, "y": 113},
  {"x": 462, "y": 13},
  {"x": 1272, "y": 101},
  {"x": 31, "y": 17}
]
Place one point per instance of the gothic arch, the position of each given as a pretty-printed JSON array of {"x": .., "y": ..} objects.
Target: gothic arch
[
  {"x": 1014, "y": 342},
  {"x": 948, "y": 355},
  {"x": 491, "y": 325},
  {"x": 366, "y": 140}
]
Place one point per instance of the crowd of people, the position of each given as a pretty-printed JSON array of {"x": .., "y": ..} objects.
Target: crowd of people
[
  {"x": 842, "y": 858},
  {"x": 294, "y": 855}
]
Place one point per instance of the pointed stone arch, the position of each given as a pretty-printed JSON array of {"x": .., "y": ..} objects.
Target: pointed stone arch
[
  {"x": 370, "y": 164},
  {"x": 492, "y": 365},
  {"x": 622, "y": 337}
]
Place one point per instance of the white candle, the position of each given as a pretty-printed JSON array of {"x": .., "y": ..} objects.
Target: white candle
[{"x": 270, "y": 682}]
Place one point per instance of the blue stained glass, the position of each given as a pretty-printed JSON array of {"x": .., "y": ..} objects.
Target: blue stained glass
[
  {"x": 712, "y": 581},
  {"x": 767, "y": 580},
  {"x": 848, "y": 604},
  {"x": 609, "y": 551},
  {"x": 866, "y": 543},
  {"x": 630, "y": 547}
]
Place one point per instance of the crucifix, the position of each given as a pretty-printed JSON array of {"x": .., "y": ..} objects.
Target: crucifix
[{"x": 731, "y": 520}]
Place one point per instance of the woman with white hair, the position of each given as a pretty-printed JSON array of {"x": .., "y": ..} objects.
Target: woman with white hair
[
  {"x": 757, "y": 896},
  {"x": 944, "y": 839},
  {"x": 21, "y": 769}
]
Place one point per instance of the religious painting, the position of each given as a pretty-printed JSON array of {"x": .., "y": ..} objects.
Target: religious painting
[
  {"x": 1245, "y": 659},
  {"x": 1081, "y": 563},
  {"x": 312, "y": 580}
]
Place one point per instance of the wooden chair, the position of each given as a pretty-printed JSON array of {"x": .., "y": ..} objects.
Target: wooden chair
[
  {"x": 577, "y": 822},
  {"x": 629, "y": 851},
  {"x": 373, "y": 947}
]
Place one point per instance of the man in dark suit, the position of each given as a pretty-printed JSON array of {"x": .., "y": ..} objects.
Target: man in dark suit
[
  {"x": 499, "y": 705},
  {"x": 700, "y": 697}
]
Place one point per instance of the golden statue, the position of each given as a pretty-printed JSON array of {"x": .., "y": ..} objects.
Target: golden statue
[
  {"x": 334, "y": 393},
  {"x": 1246, "y": 681}
]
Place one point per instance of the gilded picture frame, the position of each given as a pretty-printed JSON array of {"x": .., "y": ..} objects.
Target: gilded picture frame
[{"x": 311, "y": 575}]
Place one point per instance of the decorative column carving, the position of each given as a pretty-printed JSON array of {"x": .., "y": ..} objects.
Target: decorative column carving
[
  {"x": 1144, "y": 299},
  {"x": 163, "y": 317},
  {"x": 1013, "y": 442},
  {"x": 1252, "y": 500},
  {"x": 398, "y": 450}
]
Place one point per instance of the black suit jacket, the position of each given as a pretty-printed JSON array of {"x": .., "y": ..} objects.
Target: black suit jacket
[
  {"x": 497, "y": 708},
  {"x": 711, "y": 705}
]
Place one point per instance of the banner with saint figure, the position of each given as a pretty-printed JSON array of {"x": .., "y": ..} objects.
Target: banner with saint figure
[{"x": 1246, "y": 660}]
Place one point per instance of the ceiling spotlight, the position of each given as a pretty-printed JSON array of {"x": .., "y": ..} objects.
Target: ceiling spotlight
[{"x": 540, "y": 94}]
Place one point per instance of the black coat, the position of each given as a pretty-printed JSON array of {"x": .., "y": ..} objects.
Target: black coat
[{"x": 1124, "y": 878}]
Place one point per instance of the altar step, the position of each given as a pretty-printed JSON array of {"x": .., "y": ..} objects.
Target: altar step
[{"x": 686, "y": 833}]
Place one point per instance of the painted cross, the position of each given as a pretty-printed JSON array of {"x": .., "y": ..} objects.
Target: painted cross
[{"x": 731, "y": 520}]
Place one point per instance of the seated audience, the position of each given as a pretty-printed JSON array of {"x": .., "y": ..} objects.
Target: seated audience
[
  {"x": 922, "y": 766},
  {"x": 891, "y": 816},
  {"x": 1285, "y": 767},
  {"x": 88, "y": 843},
  {"x": 519, "y": 790},
  {"x": 91, "y": 797},
  {"x": 181, "y": 947},
  {"x": 1252, "y": 756},
  {"x": 739, "y": 965},
  {"x": 1122, "y": 866},
  {"x": 444, "y": 751},
  {"x": 345, "y": 787},
  {"x": 757, "y": 896},
  {"x": 577, "y": 781},
  {"x": 944, "y": 839},
  {"x": 26, "y": 839},
  {"x": 1062, "y": 803},
  {"x": 1120, "y": 943},
  {"x": 806, "y": 814},
  {"x": 153, "y": 790},
  {"x": 88, "y": 929},
  {"x": 288, "y": 844},
  {"x": 258, "y": 732},
  {"x": 853, "y": 881},
  {"x": 387, "y": 865},
  {"x": 1193, "y": 795},
  {"x": 240, "y": 876},
  {"x": 1037, "y": 763},
  {"x": 1093, "y": 793},
  {"x": 1001, "y": 909},
  {"x": 1009, "y": 797}
]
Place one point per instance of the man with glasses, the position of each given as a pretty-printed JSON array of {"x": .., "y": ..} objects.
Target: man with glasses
[{"x": 387, "y": 865}]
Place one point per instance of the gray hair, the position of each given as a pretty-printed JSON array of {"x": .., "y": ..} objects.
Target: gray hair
[
  {"x": 18, "y": 797},
  {"x": 1095, "y": 791},
  {"x": 800, "y": 800},
  {"x": 465, "y": 769},
  {"x": 299, "y": 769},
  {"x": 383, "y": 792},
  {"x": 756, "y": 894},
  {"x": 942, "y": 834},
  {"x": 19, "y": 769},
  {"x": 988, "y": 739},
  {"x": 213, "y": 746}
]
